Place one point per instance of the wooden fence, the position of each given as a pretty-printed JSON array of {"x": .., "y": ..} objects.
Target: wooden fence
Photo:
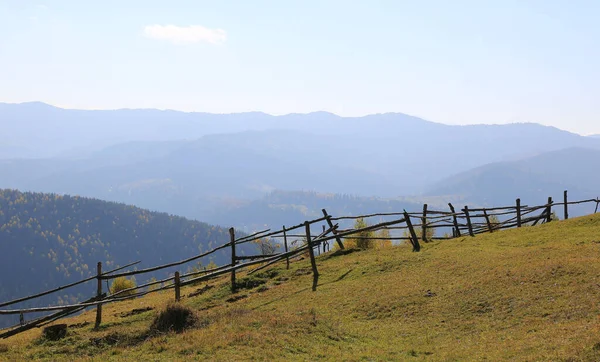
[{"x": 466, "y": 221}]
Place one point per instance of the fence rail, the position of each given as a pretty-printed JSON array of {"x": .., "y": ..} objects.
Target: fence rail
[{"x": 471, "y": 221}]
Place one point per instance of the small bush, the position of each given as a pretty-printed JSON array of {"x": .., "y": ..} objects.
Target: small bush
[
  {"x": 361, "y": 240},
  {"x": 175, "y": 318},
  {"x": 122, "y": 283}
]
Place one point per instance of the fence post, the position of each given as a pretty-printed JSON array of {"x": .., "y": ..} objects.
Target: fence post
[
  {"x": 330, "y": 223},
  {"x": 455, "y": 219},
  {"x": 415, "y": 240},
  {"x": 487, "y": 220},
  {"x": 311, "y": 252},
  {"x": 99, "y": 296},
  {"x": 424, "y": 223},
  {"x": 469, "y": 224},
  {"x": 518, "y": 213},
  {"x": 549, "y": 210},
  {"x": 285, "y": 244},
  {"x": 566, "y": 205},
  {"x": 232, "y": 239},
  {"x": 177, "y": 286}
]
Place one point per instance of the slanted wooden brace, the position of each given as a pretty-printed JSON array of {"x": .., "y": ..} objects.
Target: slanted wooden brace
[
  {"x": 487, "y": 220},
  {"x": 455, "y": 220},
  {"x": 413, "y": 235},
  {"x": 330, "y": 223}
]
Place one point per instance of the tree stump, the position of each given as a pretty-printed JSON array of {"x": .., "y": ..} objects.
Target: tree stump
[{"x": 55, "y": 332}]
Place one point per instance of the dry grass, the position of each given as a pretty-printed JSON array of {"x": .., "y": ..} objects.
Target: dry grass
[{"x": 529, "y": 294}]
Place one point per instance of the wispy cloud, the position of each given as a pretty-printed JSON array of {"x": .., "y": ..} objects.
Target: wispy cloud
[{"x": 186, "y": 34}]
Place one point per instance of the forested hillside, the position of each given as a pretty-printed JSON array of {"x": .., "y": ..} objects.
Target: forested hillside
[{"x": 47, "y": 240}]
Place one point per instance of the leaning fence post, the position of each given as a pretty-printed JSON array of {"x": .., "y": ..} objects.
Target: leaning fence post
[
  {"x": 469, "y": 224},
  {"x": 415, "y": 240},
  {"x": 233, "y": 260},
  {"x": 330, "y": 223},
  {"x": 518, "y": 213},
  {"x": 285, "y": 244},
  {"x": 455, "y": 219},
  {"x": 177, "y": 286},
  {"x": 311, "y": 252},
  {"x": 566, "y": 205},
  {"x": 487, "y": 220},
  {"x": 99, "y": 296},
  {"x": 424, "y": 222},
  {"x": 549, "y": 210}
]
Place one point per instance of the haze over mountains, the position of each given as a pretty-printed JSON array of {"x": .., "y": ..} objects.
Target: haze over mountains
[{"x": 209, "y": 166}]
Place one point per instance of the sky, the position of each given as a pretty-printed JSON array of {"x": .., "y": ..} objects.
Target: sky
[{"x": 454, "y": 62}]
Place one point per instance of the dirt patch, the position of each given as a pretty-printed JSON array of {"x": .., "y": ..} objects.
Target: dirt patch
[
  {"x": 341, "y": 252},
  {"x": 235, "y": 298},
  {"x": 135, "y": 312},
  {"x": 302, "y": 271},
  {"x": 79, "y": 325},
  {"x": 200, "y": 291},
  {"x": 117, "y": 339}
]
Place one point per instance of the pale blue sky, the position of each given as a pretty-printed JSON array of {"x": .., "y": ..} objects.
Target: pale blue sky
[{"x": 456, "y": 62}]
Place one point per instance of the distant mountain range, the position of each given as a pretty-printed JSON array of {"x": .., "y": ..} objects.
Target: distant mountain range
[
  {"x": 533, "y": 179},
  {"x": 385, "y": 154}
]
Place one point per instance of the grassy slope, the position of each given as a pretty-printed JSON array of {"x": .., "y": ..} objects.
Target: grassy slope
[{"x": 528, "y": 294}]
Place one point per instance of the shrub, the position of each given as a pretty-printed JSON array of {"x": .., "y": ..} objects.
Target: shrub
[
  {"x": 361, "y": 240},
  {"x": 175, "y": 318},
  {"x": 122, "y": 283}
]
